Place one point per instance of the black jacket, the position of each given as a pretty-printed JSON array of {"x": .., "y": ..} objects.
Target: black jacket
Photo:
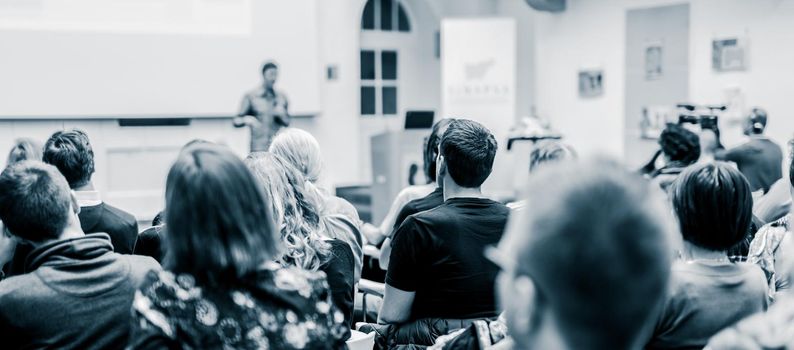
[{"x": 118, "y": 224}]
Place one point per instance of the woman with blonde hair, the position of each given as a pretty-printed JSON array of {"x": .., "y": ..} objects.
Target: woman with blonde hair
[
  {"x": 24, "y": 149},
  {"x": 302, "y": 228},
  {"x": 301, "y": 150}
]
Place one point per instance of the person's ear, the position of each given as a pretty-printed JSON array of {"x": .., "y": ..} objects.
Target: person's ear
[
  {"x": 441, "y": 167},
  {"x": 75, "y": 204}
]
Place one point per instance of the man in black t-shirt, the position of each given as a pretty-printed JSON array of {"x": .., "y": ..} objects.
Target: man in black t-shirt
[{"x": 437, "y": 267}]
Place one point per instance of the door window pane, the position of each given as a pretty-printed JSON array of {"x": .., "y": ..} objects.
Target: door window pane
[
  {"x": 367, "y": 100},
  {"x": 368, "y": 18},
  {"x": 389, "y": 100},
  {"x": 389, "y": 65},
  {"x": 402, "y": 19},
  {"x": 386, "y": 11},
  {"x": 367, "y": 65}
]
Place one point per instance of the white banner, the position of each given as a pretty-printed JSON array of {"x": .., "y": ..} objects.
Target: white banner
[
  {"x": 212, "y": 17},
  {"x": 478, "y": 75}
]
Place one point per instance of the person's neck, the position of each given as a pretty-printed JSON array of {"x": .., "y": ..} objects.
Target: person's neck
[
  {"x": 692, "y": 252},
  {"x": 87, "y": 187},
  {"x": 453, "y": 190},
  {"x": 73, "y": 230}
]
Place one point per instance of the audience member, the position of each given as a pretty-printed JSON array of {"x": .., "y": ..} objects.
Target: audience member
[
  {"x": 71, "y": 152},
  {"x": 300, "y": 226},
  {"x": 775, "y": 204},
  {"x": 707, "y": 291},
  {"x": 437, "y": 268},
  {"x": 680, "y": 148},
  {"x": 150, "y": 242},
  {"x": 222, "y": 288},
  {"x": 76, "y": 292},
  {"x": 760, "y": 159},
  {"x": 301, "y": 149},
  {"x": 24, "y": 149},
  {"x": 377, "y": 234},
  {"x": 588, "y": 265},
  {"x": 773, "y": 249},
  {"x": 430, "y": 201},
  {"x": 772, "y": 330}
]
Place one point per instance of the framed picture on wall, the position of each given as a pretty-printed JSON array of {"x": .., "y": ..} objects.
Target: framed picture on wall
[
  {"x": 591, "y": 83},
  {"x": 729, "y": 54},
  {"x": 654, "y": 60}
]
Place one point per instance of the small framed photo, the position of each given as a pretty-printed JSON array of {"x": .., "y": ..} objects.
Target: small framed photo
[
  {"x": 591, "y": 83},
  {"x": 653, "y": 61},
  {"x": 729, "y": 54}
]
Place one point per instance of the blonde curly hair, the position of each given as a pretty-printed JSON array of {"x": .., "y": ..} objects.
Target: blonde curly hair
[{"x": 293, "y": 209}]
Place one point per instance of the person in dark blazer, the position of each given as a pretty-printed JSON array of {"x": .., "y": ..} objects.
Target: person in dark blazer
[{"x": 70, "y": 151}]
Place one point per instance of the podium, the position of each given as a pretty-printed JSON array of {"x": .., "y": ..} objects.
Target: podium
[{"x": 393, "y": 153}]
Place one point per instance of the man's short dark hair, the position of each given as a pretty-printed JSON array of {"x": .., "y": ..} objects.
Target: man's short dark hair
[
  {"x": 34, "y": 201},
  {"x": 597, "y": 246},
  {"x": 714, "y": 205},
  {"x": 758, "y": 118},
  {"x": 680, "y": 144},
  {"x": 71, "y": 152},
  {"x": 469, "y": 150},
  {"x": 269, "y": 65}
]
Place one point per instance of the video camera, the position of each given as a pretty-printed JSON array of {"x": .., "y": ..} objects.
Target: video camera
[{"x": 705, "y": 121}]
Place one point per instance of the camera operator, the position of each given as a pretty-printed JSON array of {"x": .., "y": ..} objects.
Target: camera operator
[
  {"x": 760, "y": 159},
  {"x": 680, "y": 148}
]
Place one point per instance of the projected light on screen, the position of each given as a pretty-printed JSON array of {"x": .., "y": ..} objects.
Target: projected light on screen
[{"x": 213, "y": 17}]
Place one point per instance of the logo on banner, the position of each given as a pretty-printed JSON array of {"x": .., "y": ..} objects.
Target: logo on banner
[{"x": 476, "y": 87}]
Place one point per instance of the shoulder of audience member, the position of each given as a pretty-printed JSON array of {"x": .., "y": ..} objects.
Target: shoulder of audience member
[
  {"x": 346, "y": 208},
  {"x": 770, "y": 330},
  {"x": 140, "y": 266},
  {"x": 14, "y": 288},
  {"x": 119, "y": 214},
  {"x": 342, "y": 249}
]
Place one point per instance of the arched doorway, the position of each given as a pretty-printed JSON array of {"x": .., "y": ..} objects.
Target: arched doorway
[{"x": 399, "y": 67}]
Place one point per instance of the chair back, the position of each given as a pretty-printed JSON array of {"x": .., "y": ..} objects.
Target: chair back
[{"x": 361, "y": 341}]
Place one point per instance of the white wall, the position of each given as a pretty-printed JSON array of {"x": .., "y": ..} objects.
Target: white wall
[
  {"x": 337, "y": 126},
  {"x": 592, "y": 34},
  {"x": 769, "y": 82}
]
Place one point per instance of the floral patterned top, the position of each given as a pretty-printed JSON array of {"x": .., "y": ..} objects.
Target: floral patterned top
[
  {"x": 283, "y": 308},
  {"x": 765, "y": 250}
]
